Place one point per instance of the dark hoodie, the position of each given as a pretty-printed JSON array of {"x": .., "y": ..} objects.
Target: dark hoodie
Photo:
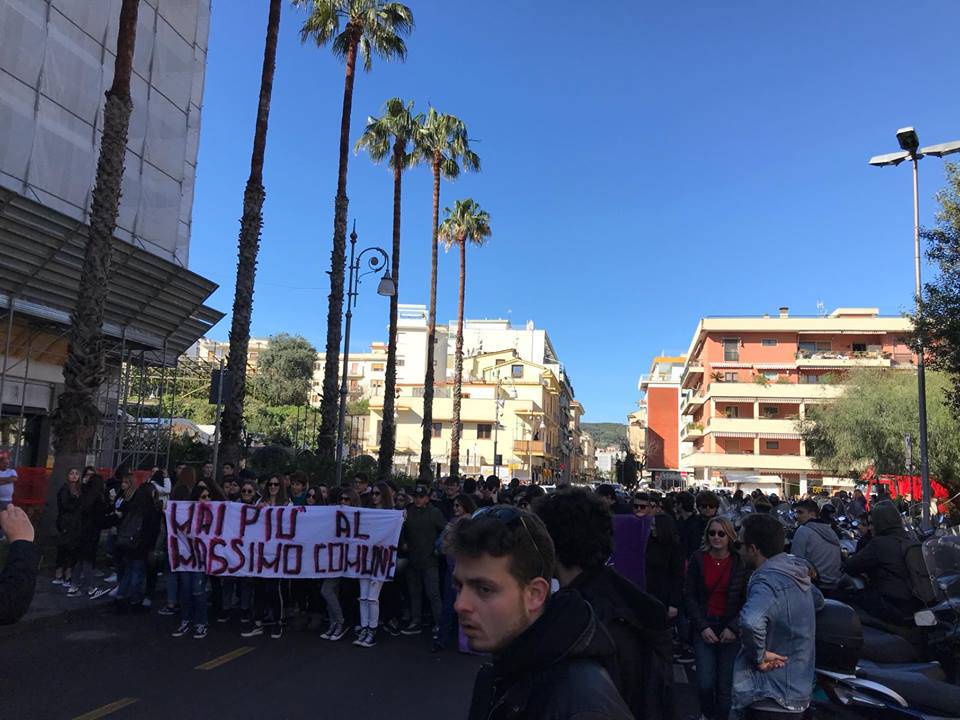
[
  {"x": 554, "y": 670},
  {"x": 882, "y": 559},
  {"x": 637, "y": 623}
]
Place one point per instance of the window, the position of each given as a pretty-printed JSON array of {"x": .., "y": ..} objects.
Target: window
[
  {"x": 809, "y": 379},
  {"x": 768, "y": 411},
  {"x": 516, "y": 371},
  {"x": 378, "y": 367},
  {"x": 435, "y": 429},
  {"x": 484, "y": 431},
  {"x": 771, "y": 375},
  {"x": 730, "y": 377},
  {"x": 399, "y": 362},
  {"x": 732, "y": 411},
  {"x": 772, "y": 444},
  {"x": 731, "y": 349},
  {"x": 768, "y": 342},
  {"x": 823, "y": 346},
  {"x": 859, "y": 347}
]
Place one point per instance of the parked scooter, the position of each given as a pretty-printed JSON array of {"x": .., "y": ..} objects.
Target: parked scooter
[{"x": 849, "y": 686}]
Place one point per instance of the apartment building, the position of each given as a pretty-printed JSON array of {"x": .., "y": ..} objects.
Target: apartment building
[
  {"x": 748, "y": 380},
  {"x": 511, "y": 416},
  {"x": 214, "y": 351},
  {"x": 660, "y": 389},
  {"x": 588, "y": 453},
  {"x": 366, "y": 374},
  {"x": 637, "y": 431}
]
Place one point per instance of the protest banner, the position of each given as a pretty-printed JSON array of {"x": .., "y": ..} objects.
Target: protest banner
[{"x": 229, "y": 539}]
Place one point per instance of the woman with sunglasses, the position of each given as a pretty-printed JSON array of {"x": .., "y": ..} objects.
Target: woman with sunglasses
[
  {"x": 715, "y": 592},
  {"x": 267, "y": 594},
  {"x": 331, "y": 586},
  {"x": 381, "y": 498}
]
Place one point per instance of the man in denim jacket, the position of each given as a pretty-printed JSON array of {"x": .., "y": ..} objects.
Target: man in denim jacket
[{"x": 774, "y": 671}]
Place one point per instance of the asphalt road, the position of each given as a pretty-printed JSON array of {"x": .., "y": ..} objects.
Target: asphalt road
[
  {"x": 102, "y": 665},
  {"x": 125, "y": 667}
]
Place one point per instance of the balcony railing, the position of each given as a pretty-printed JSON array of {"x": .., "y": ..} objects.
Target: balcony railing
[
  {"x": 440, "y": 392},
  {"x": 531, "y": 447}
]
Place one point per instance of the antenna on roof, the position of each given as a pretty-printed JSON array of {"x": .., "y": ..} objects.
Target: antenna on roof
[{"x": 821, "y": 310}]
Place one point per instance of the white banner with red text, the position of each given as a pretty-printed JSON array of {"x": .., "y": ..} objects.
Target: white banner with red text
[{"x": 230, "y": 539}]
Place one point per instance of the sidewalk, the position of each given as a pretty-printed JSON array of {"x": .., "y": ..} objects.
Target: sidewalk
[{"x": 51, "y": 605}]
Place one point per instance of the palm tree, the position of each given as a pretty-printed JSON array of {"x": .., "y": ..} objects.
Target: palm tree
[
  {"x": 75, "y": 419},
  {"x": 467, "y": 222},
  {"x": 231, "y": 424},
  {"x": 442, "y": 143},
  {"x": 371, "y": 27},
  {"x": 391, "y": 135}
]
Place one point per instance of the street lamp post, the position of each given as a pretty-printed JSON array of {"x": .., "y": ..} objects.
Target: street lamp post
[
  {"x": 378, "y": 261},
  {"x": 911, "y": 150},
  {"x": 496, "y": 424}
]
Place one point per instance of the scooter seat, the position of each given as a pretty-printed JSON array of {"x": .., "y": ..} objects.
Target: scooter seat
[
  {"x": 884, "y": 647},
  {"x": 920, "y": 692},
  {"x": 930, "y": 670}
]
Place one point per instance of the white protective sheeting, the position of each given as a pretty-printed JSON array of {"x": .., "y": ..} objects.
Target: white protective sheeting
[{"x": 56, "y": 63}]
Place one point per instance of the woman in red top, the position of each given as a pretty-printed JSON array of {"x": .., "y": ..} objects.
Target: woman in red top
[{"x": 715, "y": 589}]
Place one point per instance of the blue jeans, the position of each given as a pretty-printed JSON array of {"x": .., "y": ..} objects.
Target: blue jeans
[
  {"x": 193, "y": 597},
  {"x": 715, "y": 675},
  {"x": 131, "y": 572}
]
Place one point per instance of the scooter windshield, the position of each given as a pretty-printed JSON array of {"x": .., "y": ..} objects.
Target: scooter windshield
[{"x": 942, "y": 557}]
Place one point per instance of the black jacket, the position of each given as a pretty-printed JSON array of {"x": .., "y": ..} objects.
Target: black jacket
[
  {"x": 665, "y": 572},
  {"x": 691, "y": 533},
  {"x": 553, "y": 671},
  {"x": 696, "y": 595},
  {"x": 18, "y": 580},
  {"x": 638, "y": 624},
  {"x": 421, "y": 530},
  {"x": 882, "y": 559},
  {"x": 69, "y": 512}
]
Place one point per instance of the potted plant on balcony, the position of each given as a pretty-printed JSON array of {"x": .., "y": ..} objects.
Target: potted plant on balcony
[
  {"x": 716, "y": 376},
  {"x": 761, "y": 379}
]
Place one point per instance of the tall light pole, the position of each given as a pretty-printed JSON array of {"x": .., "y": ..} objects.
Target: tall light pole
[
  {"x": 911, "y": 150},
  {"x": 376, "y": 262}
]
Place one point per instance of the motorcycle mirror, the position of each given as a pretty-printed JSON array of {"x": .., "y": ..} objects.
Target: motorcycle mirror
[{"x": 924, "y": 618}]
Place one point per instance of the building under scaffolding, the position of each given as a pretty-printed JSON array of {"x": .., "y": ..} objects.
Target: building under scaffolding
[{"x": 57, "y": 64}]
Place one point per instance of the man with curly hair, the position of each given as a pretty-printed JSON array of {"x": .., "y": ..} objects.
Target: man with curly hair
[{"x": 581, "y": 526}]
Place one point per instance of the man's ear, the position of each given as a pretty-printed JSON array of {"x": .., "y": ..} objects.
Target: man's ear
[{"x": 536, "y": 594}]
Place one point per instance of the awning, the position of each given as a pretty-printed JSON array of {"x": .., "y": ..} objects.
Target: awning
[{"x": 151, "y": 302}]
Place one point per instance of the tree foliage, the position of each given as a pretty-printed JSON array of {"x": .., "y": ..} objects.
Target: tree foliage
[
  {"x": 939, "y": 321},
  {"x": 867, "y": 426},
  {"x": 285, "y": 370}
]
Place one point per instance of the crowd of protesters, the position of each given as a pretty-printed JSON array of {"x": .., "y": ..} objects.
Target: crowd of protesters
[{"x": 585, "y": 598}]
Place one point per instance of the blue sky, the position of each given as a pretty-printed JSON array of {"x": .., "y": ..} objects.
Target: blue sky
[{"x": 643, "y": 166}]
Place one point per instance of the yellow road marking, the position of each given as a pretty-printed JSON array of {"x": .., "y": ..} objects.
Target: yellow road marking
[
  {"x": 107, "y": 709},
  {"x": 224, "y": 659}
]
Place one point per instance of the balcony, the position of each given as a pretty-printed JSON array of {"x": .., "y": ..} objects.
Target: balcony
[
  {"x": 806, "y": 359},
  {"x": 691, "y": 431},
  {"x": 692, "y": 369},
  {"x": 776, "y": 392},
  {"x": 752, "y": 425},
  {"x": 528, "y": 447},
  {"x": 693, "y": 402},
  {"x": 728, "y": 461}
]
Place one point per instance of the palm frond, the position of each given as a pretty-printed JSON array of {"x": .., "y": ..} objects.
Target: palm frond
[
  {"x": 465, "y": 222},
  {"x": 323, "y": 22}
]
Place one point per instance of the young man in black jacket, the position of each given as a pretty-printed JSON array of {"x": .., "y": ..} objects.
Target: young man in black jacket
[
  {"x": 581, "y": 528},
  {"x": 19, "y": 578},
  {"x": 549, "y": 653}
]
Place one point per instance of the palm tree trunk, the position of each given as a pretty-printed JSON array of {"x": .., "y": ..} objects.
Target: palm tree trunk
[
  {"x": 249, "y": 246},
  {"x": 75, "y": 419},
  {"x": 327, "y": 437},
  {"x": 388, "y": 433},
  {"x": 426, "y": 471},
  {"x": 458, "y": 365}
]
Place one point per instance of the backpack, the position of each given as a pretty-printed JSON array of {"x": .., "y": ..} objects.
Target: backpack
[
  {"x": 130, "y": 532},
  {"x": 920, "y": 584}
]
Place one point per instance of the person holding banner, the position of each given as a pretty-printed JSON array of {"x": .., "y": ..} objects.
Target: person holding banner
[
  {"x": 331, "y": 586},
  {"x": 267, "y": 594},
  {"x": 382, "y": 499}
]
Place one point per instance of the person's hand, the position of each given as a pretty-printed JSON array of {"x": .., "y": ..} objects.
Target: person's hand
[
  {"x": 728, "y": 636},
  {"x": 672, "y": 612},
  {"x": 771, "y": 661},
  {"x": 709, "y": 636},
  {"x": 15, "y": 524}
]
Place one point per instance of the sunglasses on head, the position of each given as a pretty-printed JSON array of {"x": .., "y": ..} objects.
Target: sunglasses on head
[{"x": 511, "y": 517}]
